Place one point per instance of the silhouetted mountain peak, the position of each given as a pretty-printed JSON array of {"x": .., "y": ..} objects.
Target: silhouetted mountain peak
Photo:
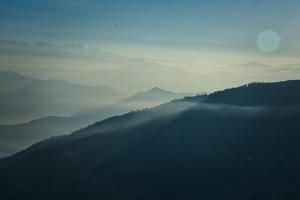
[
  {"x": 177, "y": 150},
  {"x": 155, "y": 94},
  {"x": 158, "y": 90},
  {"x": 284, "y": 93}
]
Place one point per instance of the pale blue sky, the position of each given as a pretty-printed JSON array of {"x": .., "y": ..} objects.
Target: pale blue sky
[
  {"x": 192, "y": 37},
  {"x": 163, "y": 22}
]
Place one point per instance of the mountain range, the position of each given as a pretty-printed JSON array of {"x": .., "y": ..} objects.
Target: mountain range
[
  {"x": 155, "y": 96},
  {"x": 24, "y": 98},
  {"x": 240, "y": 143},
  {"x": 14, "y": 138}
]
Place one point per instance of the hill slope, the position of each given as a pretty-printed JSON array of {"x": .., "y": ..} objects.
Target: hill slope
[
  {"x": 14, "y": 138},
  {"x": 24, "y": 98},
  {"x": 192, "y": 149},
  {"x": 154, "y": 96},
  {"x": 11, "y": 81}
]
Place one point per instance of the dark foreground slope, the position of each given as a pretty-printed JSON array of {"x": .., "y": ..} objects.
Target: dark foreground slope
[
  {"x": 209, "y": 148},
  {"x": 14, "y": 138}
]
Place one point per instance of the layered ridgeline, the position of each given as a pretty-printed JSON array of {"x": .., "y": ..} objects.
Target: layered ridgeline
[
  {"x": 14, "y": 138},
  {"x": 241, "y": 143},
  {"x": 24, "y": 98}
]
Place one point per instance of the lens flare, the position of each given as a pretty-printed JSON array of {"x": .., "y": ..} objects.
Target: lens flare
[{"x": 268, "y": 41}]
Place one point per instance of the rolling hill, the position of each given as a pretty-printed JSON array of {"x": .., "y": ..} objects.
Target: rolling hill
[
  {"x": 155, "y": 96},
  {"x": 11, "y": 81},
  {"x": 24, "y": 98},
  {"x": 14, "y": 138},
  {"x": 240, "y": 143}
]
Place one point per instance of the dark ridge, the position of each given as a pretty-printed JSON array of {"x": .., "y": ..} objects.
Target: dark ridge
[
  {"x": 256, "y": 94},
  {"x": 216, "y": 152}
]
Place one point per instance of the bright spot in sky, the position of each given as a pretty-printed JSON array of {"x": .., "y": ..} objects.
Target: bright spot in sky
[{"x": 268, "y": 41}]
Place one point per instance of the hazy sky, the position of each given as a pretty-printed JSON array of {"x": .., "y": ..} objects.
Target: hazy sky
[{"x": 190, "y": 45}]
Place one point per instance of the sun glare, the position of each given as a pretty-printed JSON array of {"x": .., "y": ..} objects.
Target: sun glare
[{"x": 268, "y": 41}]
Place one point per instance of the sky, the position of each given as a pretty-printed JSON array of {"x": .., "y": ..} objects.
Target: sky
[{"x": 192, "y": 45}]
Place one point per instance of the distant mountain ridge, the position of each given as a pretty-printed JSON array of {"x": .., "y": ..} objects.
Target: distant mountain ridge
[
  {"x": 11, "y": 81},
  {"x": 24, "y": 98},
  {"x": 284, "y": 93},
  {"x": 206, "y": 147},
  {"x": 155, "y": 94},
  {"x": 20, "y": 136}
]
